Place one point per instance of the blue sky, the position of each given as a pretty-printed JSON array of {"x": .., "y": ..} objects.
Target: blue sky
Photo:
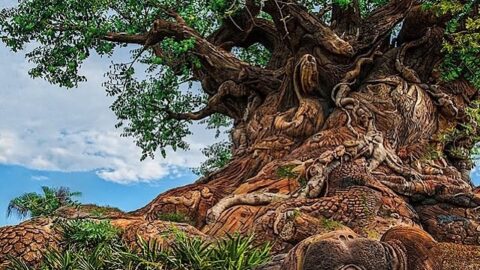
[
  {"x": 58, "y": 137},
  {"x": 16, "y": 180}
]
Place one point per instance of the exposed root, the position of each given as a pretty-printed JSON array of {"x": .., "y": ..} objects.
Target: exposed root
[
  {"x": 372, "y": 146},
  {"x": 316, "y": 171},
  {"x": 242, "y": 199},
  {"x": 438, "y": 187}
]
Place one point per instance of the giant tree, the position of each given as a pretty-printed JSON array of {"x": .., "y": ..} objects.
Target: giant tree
[{"x": 360, "y": 113}]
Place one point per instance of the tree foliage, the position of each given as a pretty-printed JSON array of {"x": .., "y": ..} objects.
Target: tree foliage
[
  {"x": 154, "y": 93},
  {"x": 218, "y": 155},
  {"x": 462, "y": 40}
]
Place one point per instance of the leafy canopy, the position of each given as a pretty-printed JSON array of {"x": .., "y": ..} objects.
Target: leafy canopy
[
  {"x": 64, "y": 33},
  {"x": 462, "y": 40}
]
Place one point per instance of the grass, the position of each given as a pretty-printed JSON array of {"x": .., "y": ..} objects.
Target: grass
[
  {"x": 286, "y": 172},
  {"x": 102, "y": 211},
  {"x": 372, "y": 234},
  {"x": 330, "y": 224},
  {"x": 174, "y": 217}
]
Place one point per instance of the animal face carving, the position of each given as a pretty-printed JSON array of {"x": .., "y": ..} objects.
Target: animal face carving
[{"x": 342, "y": 254}]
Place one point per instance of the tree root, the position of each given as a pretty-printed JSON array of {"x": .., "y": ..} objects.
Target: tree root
[{"x": 242, "y": 199}]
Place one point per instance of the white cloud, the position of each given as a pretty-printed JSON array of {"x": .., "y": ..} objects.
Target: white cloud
[
  {"x": 39, "y": 178},
  {"x": 47, "y": 128}
]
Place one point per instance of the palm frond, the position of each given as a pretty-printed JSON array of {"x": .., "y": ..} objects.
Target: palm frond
[{"x": 34, "y": 204}]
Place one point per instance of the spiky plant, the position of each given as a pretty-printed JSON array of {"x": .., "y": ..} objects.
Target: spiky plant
[
  {"x": 17, "y": 264},
  {"x": 150, "y": 255},
  {"x": 191, "y": 252},
  {"x": 59, "y": 260},
  {"x": 185, "y": 253},
  {"x": 235, "y": 252},
  {"x": 34, "y": 204}
]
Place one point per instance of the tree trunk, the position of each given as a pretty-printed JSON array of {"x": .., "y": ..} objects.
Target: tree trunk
[
  {"x": 367, "y": 158},
  {"x": 334, "y": 133}
]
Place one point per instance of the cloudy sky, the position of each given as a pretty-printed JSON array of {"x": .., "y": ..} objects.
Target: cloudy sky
[{"x": 50, "y": 135}]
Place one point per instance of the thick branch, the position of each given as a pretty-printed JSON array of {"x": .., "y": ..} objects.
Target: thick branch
[
  {"x": 126, "y": 38},
  {"x": 296, "y": 24},
  {"x": 218, "y": 65},
  {"x": 378, "y": 25},
  {"x": 345, "y": 20},
  {"x": 418, "y": 21},
  {"x": 255, "y": 30},
  {"x": 195, "y": 116}
]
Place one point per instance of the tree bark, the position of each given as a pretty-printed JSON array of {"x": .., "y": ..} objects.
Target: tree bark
[
  {"x": 346, "y": 138},
  {"x": 341, "y": 129}
]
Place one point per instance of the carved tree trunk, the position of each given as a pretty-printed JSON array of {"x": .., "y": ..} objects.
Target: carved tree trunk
[
  {"x": 335, "y": 132},
  {"x": 344, "y": 134}
]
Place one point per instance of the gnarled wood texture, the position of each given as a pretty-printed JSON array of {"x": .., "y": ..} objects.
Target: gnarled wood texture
[{"x": 332, "y": 143}]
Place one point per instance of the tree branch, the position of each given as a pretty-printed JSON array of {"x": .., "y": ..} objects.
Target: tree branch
[
  {"x": 255, "y": 30},
  {"x": 378, "y": 25},
  {"x": 345, "y": 20},
  {"x": 296, "y": 24},
  {"x": 126, "y": 38},
  {"x": 199, "y": 115},
  {"x": 418, "y": 20},
  {"x": 218, "y": 65},
  {"x": 245, "y": 29}
]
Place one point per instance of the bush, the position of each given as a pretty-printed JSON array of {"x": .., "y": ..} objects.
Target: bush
[
  {"x": 238, "y": 252},
  {"x": 88, "y": 233}
]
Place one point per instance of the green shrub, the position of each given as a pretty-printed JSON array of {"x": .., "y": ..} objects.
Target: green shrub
[
  {"x": 102, "y": 211},
  {"x": 330, "y": 224},
  {"x": 17, "y": 264},
  {"x": 190, "y": 252},
  {"x": 105, "y": 257},
  {"x": 286, "y": 172},
  {"x": 64, "y": 260},
  {"x": 235, "y": 252},
  {"x": 88, "y": 234},
  {"x": 238, "y": 252}
]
